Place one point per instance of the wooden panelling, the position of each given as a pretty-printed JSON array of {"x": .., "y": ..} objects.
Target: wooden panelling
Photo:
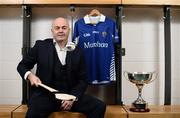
[
  {"x": 100, "y": 2},
  {"x": 151, "y": 2},
  {"x": 172, "y": 111},
  {"x": 5, "y": 110},
  {"x": 11, "y": 2}
]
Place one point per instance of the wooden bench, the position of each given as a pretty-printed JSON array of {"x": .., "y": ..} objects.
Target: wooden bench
[
  {"x": 115, "y": 111},
  {"x": 161, "y": 111},
  {"x": 66, "y": 114},
  {"x": 6, "y": 110},
  {"x": 21, "y": 111},
  {"x": 112, "y": 111}
]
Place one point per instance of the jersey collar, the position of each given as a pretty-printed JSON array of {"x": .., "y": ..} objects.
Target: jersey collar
[{"x": 87, "y": 20}]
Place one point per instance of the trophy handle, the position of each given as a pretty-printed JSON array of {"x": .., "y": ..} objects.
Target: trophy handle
[
  {"x": 125, "y": 73},
  {"x": 154, "y": 76}
]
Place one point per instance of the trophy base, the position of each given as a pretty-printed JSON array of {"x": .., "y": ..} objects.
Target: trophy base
[
  {"x": 139, "y": 107},
  {"x": 139, "y": 110}
]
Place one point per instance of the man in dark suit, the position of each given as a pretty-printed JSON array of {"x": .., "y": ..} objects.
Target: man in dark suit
[{"x": 61, "y": 69}]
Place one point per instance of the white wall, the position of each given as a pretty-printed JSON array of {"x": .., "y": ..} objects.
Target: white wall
[
  {"x": 175, "y": 28},
  {"x": 143, "y": 39},
  {"x": 144, "y": 43},
  {"x": 10, "y": 55},
  {"x": 42, "y": 18}
]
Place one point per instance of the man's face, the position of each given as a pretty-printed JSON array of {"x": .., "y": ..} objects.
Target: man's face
[{"x": 60, "y": 29}]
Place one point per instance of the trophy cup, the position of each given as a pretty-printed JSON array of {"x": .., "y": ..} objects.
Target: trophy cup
[{"x": 140, "y": 78}]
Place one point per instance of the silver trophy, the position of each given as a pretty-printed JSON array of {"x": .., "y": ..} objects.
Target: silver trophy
[{"x": 140, "y": 78}]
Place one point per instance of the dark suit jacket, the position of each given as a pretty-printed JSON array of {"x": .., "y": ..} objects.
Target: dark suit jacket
[{"x": 42, "y": 54}]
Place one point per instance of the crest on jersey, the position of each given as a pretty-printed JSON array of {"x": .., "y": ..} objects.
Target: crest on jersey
[{"x": 104, "y": 34}]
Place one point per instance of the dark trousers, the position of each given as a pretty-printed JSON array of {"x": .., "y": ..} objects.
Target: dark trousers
[{"x": 42, "y": 105}]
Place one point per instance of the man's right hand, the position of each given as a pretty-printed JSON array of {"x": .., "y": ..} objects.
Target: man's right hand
[{"x": 34, "y": 80}]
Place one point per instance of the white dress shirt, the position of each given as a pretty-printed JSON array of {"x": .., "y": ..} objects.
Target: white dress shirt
[{"x": 61, "y": 52}]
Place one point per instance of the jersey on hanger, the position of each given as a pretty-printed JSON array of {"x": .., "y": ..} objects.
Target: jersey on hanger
[{"x": 97, "y": 41}]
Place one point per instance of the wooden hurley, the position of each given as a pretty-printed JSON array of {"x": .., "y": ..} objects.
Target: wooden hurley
[{"x": 60, "y": 96}]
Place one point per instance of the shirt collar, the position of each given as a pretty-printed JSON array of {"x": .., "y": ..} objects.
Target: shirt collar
[
  {"x": 87, "y": 20},
  {"x": 57, "y": 46}
]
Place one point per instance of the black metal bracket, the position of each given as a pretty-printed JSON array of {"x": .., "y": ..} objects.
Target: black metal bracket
[
  {"x": 72, "y": 10},
  {"x": 118, "y": 56},
  {"x": 26, "y": 15},
  {"x": 167, "y": 36}
]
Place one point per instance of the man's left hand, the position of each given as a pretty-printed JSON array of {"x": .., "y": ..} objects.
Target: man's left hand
[{"x": 66, "y": 105}]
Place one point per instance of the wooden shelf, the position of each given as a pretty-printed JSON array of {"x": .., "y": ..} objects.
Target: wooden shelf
[
  {"x": 151, "y": 2},
  {"x": 91, "y": 2},
  {"x": 99, "y": 2},
  {"x": 11, "y": 2}
]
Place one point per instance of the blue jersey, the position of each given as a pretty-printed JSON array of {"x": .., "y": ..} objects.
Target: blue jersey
[{"x": 97, "y": 41}]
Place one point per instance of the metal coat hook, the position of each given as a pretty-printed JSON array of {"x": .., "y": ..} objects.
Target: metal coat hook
[
  {"x": 166, "y": 13},
  {"x": 72, "y": 8},
  {"x": 26, "y": 13},
  {"x": 165, "y": 17}
]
